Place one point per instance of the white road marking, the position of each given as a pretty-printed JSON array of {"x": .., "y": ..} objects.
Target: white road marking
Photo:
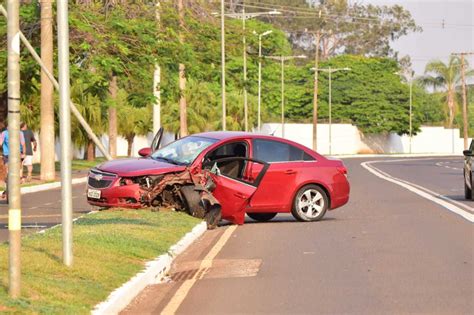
[
  {"x": 421, "y": 191},
  {"x": 206, "y": 263},
  {"x": 442, "y": 164}
]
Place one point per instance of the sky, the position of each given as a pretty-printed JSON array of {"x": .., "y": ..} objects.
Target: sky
[{"x": 435, "y": 42}]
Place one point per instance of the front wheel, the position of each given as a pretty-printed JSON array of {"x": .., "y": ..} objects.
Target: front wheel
[
  {"x": 310, "y": 204},
  {"x": 262, "y": 217}
]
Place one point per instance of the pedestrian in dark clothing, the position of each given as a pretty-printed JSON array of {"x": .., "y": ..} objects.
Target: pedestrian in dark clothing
[{"x": 30, "y": 147}]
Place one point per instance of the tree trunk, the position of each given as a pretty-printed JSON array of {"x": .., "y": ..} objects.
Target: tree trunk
[
  {"x": 47, "y": 138},
  {"x": 113, "y": 117},
  {"x": 451, "y": 107},
  {"x": 90, "y": 155},
  {"x": 129, "y": 145},
  {"x": 183, "y": 130}
]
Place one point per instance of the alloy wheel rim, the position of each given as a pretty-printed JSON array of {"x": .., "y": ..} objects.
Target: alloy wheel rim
[{"x": 311, "y": 203}]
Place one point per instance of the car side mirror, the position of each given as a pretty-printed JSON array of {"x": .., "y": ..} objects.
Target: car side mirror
[
  {"x": 144, "y": 152},
  {"x": 467, "y": 152}
]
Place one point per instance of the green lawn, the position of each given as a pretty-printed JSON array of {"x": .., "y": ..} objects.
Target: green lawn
[{"x": 109, "y": 248}]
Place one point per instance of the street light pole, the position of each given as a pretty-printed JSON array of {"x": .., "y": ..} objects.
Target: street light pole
[
  {"x": 65, "y": 129},
  {"x": 13, "y": 187},
  {"x": 330, "y": 70},
  {"x": 411, "y": 113},
  {"x": 259, "y": 107},
  {"x": 244, "y": 41},
  {"x": 330, "y": 111},
  {"x": 282, "y": 60},
  {"x": 244, "y": 16},
  {"x": 282, "y": 97},
  {"x": 223, "y": 66}
]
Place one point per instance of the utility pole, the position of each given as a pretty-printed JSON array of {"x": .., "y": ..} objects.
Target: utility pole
[
  {"x": 464, "y": 98},
  {"x": 47, "y": 137},
  {"x": 182, "y": 78},
  {"x": 224, "y": 114},
  {"x": 330, "y": 71},
  {"x": 282, "y": 60},
  {"x": 13, "y": 187},
  {"x": 315, "y": 93},
  {"x": 65, "y": 129},
  {"x": 259, "y": 107},
  {"x": 246, "y": 109},
  {"x": 157, "y": 78}
]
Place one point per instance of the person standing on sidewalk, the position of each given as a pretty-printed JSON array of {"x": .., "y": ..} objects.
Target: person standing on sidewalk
[
  {"x": 30, "y": 147},
  {"x": 6, "y": 152}
]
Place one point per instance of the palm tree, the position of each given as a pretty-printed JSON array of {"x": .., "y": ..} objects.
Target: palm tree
[
  {"x": 445, "y": 76},
  {"x": 132, "y": 121},
  {"x": 93, "y": 111}
]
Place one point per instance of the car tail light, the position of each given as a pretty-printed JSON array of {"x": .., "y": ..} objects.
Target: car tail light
[{"x": 342, "y": 169}]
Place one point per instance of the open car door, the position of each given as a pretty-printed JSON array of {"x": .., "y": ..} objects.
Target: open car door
[
  {"x": 155, "y": 144},
  {"x": 235, "y": 185}
]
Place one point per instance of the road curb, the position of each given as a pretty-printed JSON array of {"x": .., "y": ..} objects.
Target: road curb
[
  {"x": 154, "y": 273},
  {"x": 48, "y": 186}
]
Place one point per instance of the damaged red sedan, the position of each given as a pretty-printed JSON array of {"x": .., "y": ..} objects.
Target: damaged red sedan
[{"x": 226, "y": 175}]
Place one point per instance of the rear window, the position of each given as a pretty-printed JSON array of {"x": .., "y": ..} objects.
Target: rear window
[{"x": 274, "y": 151}]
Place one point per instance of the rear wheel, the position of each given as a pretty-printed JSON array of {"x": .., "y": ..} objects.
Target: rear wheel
[
  {"x": 262, "y": 217},
  {"x": 310, "y": 204},
  {"x": 467, "y": 190}
]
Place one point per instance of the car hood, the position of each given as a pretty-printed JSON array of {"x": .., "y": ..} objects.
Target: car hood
[{"x": 139, "y": 167}]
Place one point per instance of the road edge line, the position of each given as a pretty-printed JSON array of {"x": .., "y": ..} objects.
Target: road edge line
[
  {"x": 154, "y": 272},
  {"x": 183, "y": 290},
  {"x": 445, "y": 204}
]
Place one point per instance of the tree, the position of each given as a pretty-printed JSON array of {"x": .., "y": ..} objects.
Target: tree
[
  {"x": 47, "y": 138},
  {"x": 93, "y": 111},
  {"x": 132, "y": 121},
  {"x": 447, "y": 77},
  {"x": 347, "y": 27}
]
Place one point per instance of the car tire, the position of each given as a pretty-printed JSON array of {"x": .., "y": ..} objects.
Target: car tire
[
  {"x": 192, "y": 202},
  {"x": 310, "y": 204},
  {"x": 262, "y": 217},
  {"x": 467, "y": 190}
]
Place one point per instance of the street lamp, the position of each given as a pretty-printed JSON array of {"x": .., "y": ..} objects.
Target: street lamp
[
  {"x": 245, "y": 16},
  {"x": 330, "y": 71},
  {"x": 260, "y": 74},
  {"x": 282, "y": 60},
  {"x": 409, "y": 77}
]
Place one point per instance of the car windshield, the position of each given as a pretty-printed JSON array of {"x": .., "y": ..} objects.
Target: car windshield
[{"x": 183, "y": 151}]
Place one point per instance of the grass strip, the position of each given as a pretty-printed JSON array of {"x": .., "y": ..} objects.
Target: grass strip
[{"x": 109, "y": 248}]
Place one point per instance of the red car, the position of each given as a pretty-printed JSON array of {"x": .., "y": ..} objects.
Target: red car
[{"x": 224, "y": 174}]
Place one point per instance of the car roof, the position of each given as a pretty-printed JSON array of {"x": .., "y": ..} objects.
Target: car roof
[{"x": 224, "y": 135}]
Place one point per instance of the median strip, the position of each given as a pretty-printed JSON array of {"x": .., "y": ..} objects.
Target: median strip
[{"x": 110, "y": 247}]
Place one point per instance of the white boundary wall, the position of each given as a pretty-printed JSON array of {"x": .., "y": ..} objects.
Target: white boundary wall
[{"x": 346, "y": 139}]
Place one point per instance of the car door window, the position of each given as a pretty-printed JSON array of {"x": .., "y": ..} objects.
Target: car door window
[
  {"x": 274, "y": 151},
  {"x": 219, "y": 166},
  {"x": 229, "y": 167}
]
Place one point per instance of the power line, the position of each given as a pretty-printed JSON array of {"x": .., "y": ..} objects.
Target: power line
[{"x": 301, "y": 13}]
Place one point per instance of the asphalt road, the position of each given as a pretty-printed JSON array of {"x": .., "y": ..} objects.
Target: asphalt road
[
  {"x": 43, "y": 210},
  {"x": 388, "y": 251}
]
